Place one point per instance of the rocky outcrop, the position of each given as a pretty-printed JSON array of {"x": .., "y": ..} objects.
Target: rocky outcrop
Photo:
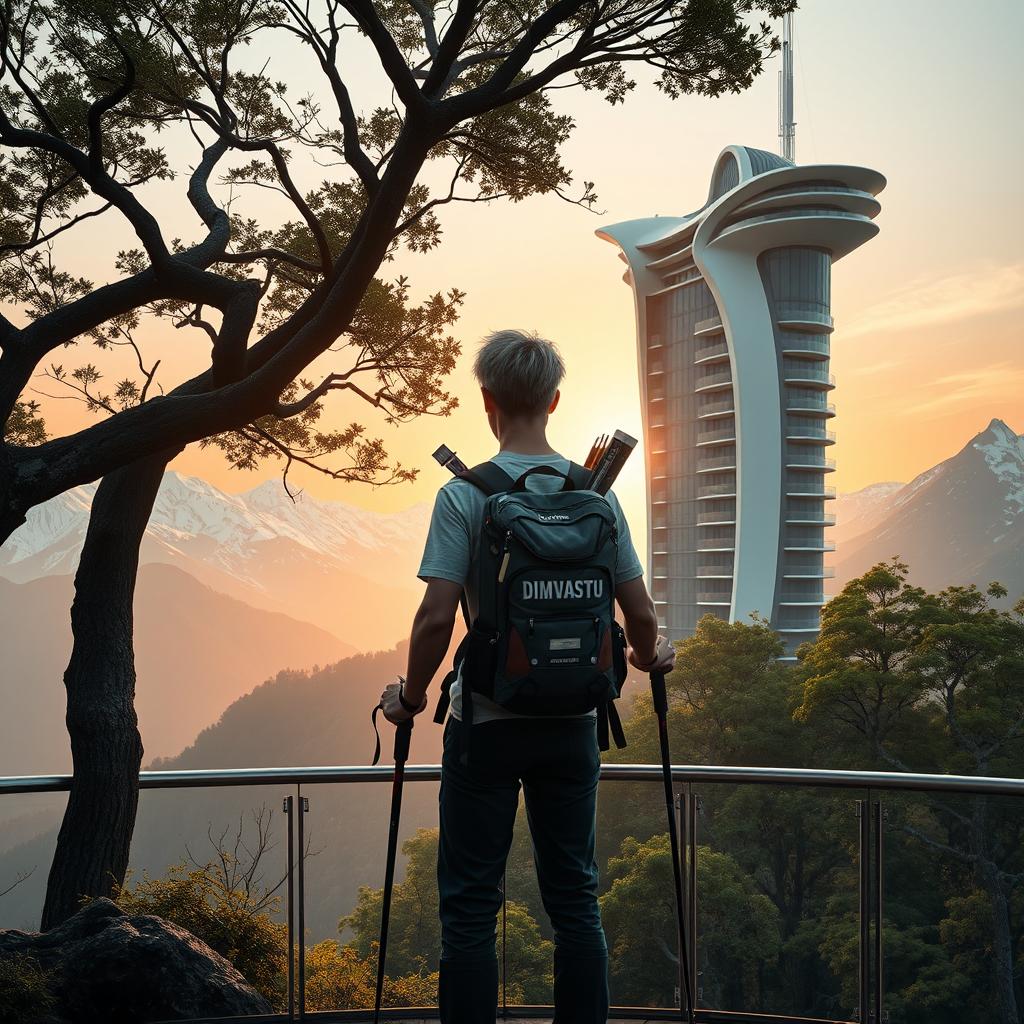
[{"x": 104, "y": 965}]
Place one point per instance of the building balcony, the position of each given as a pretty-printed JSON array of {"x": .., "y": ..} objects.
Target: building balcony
[
  {"x": 825, "y": 545},
  {"x": 706, "y": 328},
  {"x": 809, "y": 346},
  {"x": 794, "y": 318},
  {"x": 804, "y": 405},
  {"x": 810, "y": 435},
  {"x": 714, "y": 572},
  {"x": 710, "y": 465},
  {"x": 717, "y": 353},
  {"x": 826, "y": 572},
  {"x": 713, "y": 382},
  {"x": 821, "y": 465},
  {"x": 714, "y": 597},
  {"x": 716, "y": 518},
  {"x": 825, "y": 493},
  {"x": 713, "y": 409},
  {"x": 809, "y": 376},
  {"x": 727, "y": 435},
  {"x": 709, "y": 491},
  {"x": 811, "y": 518}
]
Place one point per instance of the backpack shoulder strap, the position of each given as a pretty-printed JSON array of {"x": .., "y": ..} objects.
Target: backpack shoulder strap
[
  {"x": 488, "y": 477},
  {"x": 579, "y": 475}
]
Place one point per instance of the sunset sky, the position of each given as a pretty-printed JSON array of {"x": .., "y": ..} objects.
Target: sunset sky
[{"x": 928, "y": 314}]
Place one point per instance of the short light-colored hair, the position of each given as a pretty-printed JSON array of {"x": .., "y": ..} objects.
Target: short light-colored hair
[{"x": 520, "y": 369}]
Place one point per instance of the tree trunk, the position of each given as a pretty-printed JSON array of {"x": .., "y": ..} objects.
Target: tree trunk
[{"x": 95, "y": 835}]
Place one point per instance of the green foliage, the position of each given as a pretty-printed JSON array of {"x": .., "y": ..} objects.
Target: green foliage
[
  {"x": 231, "y": 921},
  {"x": 92, "y": 85},
  {"x": 25, "y": 992},
  {"x": 25, "y": 425},
  {"x": 739, "y": 927},
  {"x": 414, "y": 940},
  {"x": 337, "y": 978}
]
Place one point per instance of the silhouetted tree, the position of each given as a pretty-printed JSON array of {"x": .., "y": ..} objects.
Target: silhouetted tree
[{"x": 86, "y": 87}]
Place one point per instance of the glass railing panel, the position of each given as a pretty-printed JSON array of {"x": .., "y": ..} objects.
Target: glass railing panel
[
  {"x": 637, "y": 903},
  {"x": 952, "y": 900},
  {"x": 28, "y": 836},
  {"x": 346, "y": 830},
  {"x": 214, "y": 861},
  {"x": 775, "y": 898}
]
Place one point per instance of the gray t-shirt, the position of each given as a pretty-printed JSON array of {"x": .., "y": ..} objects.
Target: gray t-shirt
[{"x": 453, "y": 541}]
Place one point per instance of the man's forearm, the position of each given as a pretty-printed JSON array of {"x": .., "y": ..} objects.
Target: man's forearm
[
  {"x": 642, "y": 632},
  {"x": 428, "y": 646}
]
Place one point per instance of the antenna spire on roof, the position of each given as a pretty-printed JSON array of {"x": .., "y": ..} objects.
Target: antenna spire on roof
[{"x": 787, "y": 126}]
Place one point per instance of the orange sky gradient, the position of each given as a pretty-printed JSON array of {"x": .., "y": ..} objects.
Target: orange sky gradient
[{"x": 928, "y": 315}]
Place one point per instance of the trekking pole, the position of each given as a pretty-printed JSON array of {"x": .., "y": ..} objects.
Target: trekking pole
[
  {"x": 659, "y": 696},
  {"x": 403, "y": 735}
]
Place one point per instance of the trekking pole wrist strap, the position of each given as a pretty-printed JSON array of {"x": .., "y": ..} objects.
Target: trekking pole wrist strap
[
  {"x": 649, "y": 665},
  {"x": 411, "y": 708}
]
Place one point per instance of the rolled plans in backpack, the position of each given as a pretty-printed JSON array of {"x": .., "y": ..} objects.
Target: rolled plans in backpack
[
  {"x": 611, "y": 461},
  {"x": 447, "y": 458}
]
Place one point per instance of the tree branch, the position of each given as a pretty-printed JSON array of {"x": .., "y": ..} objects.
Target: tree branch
[
  {"x": 391, "y": 58},
  {"x": 101, "y": 106},
  {"x": 445, "y": 55}
]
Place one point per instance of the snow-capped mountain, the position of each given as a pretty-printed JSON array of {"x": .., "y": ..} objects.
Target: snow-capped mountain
[
  {"x": 858, "y": 511},
  {"x": 323, "y": 561},
  {"x": 959, "y": 522}
]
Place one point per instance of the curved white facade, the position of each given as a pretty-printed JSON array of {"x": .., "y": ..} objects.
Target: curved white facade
[{"x": 733, "y": 336}]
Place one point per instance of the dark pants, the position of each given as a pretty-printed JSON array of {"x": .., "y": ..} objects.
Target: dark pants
[{"x": 557, "y": 761}]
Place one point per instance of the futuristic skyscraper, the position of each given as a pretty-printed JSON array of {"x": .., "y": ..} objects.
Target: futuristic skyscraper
[{"x": 733, "y": 332}]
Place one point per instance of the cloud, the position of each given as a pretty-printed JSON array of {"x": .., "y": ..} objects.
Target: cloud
[
  {"x": 983, "y": 382},
  {"x": 885, "y": 364},
  {"x": 928, "y": 300}
]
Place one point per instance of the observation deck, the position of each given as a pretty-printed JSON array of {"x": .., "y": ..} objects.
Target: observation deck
[{"x": 863, "y": 803}]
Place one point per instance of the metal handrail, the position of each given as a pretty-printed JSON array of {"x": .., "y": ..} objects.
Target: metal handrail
[
  {"x": 870, "y": 990},
  {"x": 695, "y": 773}
]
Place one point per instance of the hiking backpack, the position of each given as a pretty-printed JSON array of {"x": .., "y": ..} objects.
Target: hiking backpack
[{"x": 545, "y": 640}]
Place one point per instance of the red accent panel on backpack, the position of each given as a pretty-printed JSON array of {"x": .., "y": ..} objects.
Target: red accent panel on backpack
[
  {"x": 604, "y": 658},
  {"x": 517, "y": 662}
]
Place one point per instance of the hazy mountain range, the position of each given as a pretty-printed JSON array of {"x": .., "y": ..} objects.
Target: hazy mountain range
[
  {"x": 196, "y": 651},
  {"x": 321, "y": 717},
  {"x": 961, "y": 521},
  {"x": 220, "y": 573},
  {"x": 324, "y": 562}
]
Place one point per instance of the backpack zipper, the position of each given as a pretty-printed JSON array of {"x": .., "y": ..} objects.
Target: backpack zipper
[{"x": 505, "y": 557}]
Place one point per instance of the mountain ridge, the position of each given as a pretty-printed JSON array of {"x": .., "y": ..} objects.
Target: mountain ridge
[
  {"x": 958, "y": 522},
  {"x": 325, "y": 562}
]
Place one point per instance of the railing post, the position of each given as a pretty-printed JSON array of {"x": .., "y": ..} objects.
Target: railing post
[
  {"x": 288, "y": 803},
  {"x": 303, "y": 808},
  {"x": 693, "y": 808},
  {"x": 504, "y": 935},
  {"x": 687, "y": 805},
  {"x": 682, "y": 827},
  {"x": 877, "y": 819},
  {"x": 864, "y": 910}
]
